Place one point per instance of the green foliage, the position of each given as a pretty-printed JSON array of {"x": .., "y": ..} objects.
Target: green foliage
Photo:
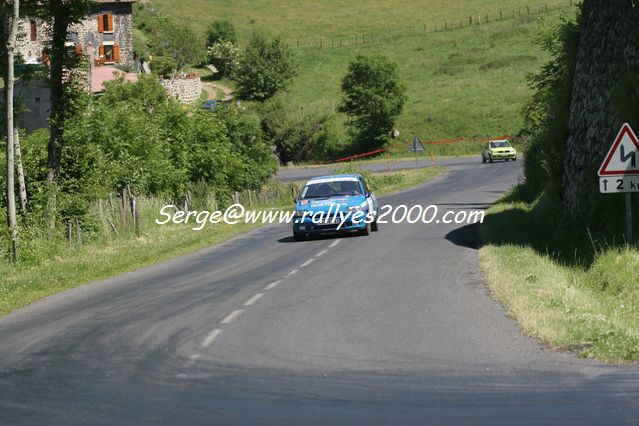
[
  {"x": 373, "y": 99},
  {"x": 134, "y": 136},
  {"x": 298, "y": 137},
  {"x": 266, "y": 67},
  {"x": 163, "y": 65},
  {"x": 547, "y": 114},
  {"x": 225, "y": 56},
  {"x": 170, "y": 39},
  {"x": 220, "y": 32}
]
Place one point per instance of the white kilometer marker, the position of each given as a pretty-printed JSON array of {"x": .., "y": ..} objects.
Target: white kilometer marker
[
  {"x": 209, "y": 339},
  {"x": 308, "y": 262},
  {"x": 336, "y": 242},
  {"x": 253, "y": 299},
  {"x": 294, "y": 271},
  {"x": 272, "y": 285},
  {"x": 232, "y": 316},
  {"x": 321, "y": 253}
]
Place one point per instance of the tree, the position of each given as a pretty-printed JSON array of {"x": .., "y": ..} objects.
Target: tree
[
  {"x": 9, "y": 80},
  {"x": 225, "y": 56},
  {"x": 167, "y": 38},
  {"x": 60, "y": 15},
  {"x": 219, "y": 32},
  {"x": 373, "y": 99},
  {"x": 265, "y": 67}
]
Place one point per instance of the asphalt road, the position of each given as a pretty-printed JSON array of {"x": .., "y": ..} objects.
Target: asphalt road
[
  {"x": 394, "y": 328},
  {"x": 305, "y": 173}
]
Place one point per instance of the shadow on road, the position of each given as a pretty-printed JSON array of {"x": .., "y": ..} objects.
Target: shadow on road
[{"x": 466, "y": 236}]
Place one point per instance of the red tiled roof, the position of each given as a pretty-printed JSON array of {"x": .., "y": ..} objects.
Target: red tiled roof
[{"x": 100, "y": 75}]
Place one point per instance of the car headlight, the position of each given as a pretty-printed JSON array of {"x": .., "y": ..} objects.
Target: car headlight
[
  {"x": 300, "y": 213},
  {"x": 359, "y": 208}
]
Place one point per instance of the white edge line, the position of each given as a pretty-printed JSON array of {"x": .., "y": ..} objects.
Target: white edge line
[
  {"x": 334, "y": 243},
  {"x": 308, "y": 262},
  {"x": 212, "y": 335},
  {"x": 253, "y": 299},
  {"x": 321, "y": 253},
  {"x": 232, "y": 316},
  {"x": 294, "y": 271},
  {"x": 272, "y": 285}
]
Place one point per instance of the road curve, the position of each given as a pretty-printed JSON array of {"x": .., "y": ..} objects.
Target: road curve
[{"x": 394, "y": 328}]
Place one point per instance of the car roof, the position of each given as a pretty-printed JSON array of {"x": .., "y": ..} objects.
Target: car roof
[
  {"x": 501, "y": 140},
  {"x": 334, "y": 177}
]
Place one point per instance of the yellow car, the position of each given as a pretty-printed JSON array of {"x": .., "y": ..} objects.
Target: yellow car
[{"x": 498, "y": 150}]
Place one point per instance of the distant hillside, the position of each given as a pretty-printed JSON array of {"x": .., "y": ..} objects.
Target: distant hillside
[
  {"x": 462, "y": 82},
  {"x": 304, "y": 19}
]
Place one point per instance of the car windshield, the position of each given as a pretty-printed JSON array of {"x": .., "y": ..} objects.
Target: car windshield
[
  {"x": 331, "y": 189},
  {"x": 502, "y": 144}
]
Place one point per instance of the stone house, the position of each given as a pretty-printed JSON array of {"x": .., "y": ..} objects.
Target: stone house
[{"x": 105, "y": 36}]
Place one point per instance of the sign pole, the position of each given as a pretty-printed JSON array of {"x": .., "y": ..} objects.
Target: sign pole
[
  {"x": 629, "y": 236},
  {"x": 417, "y": 158}
]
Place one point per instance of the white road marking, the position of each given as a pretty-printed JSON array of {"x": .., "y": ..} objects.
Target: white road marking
[
  {"x": 209, "y": 339},
  {"x": 294, "y": 271},
  {"x": 321, "y": 253},
  {"x": 272, "y": 285},
  {"x": 336, "y": 242},
  {"x": 308, "y": 262},
  {"x": 253, "y": 299},
  {"x": 192, "y": 359},
  {"x": 232, "y": 316}
]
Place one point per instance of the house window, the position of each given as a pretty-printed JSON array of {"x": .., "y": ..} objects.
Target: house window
[
  {"x": 109, "y": 53},
  {"x": 105, "y": 23},
  {"x": 34, "y": 31}
]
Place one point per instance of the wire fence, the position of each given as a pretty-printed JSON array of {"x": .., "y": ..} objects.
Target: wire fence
[{"x": 522, "y": 14}]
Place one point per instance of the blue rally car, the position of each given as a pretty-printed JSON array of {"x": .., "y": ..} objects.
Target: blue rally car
[{"x": 338, "y": 203}]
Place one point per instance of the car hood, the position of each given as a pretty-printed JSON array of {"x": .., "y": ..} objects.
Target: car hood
[{"x": 324, "y": 204}]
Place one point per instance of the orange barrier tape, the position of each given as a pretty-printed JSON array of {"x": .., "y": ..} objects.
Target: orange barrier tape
[{"x": 440, "y": 142}]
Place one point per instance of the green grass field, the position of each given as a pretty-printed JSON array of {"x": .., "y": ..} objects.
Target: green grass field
[{"x": 467, "y": 82}]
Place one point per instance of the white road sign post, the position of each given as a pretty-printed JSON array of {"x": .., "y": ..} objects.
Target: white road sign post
[{"x": 619, "y": 172}]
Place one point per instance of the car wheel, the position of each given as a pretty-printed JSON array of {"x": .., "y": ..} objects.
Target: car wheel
[
  {"x": 297, "y": 236},
  {"x": 490, "y": 158},
  {"x": 374, "y": 226},
  {"x": 515, "y": 159},
  {"x": 483, "y": 159},
  {"x": 366, "y": 230}
]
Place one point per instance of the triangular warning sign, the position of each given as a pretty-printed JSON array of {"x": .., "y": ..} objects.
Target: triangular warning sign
[{"x": 623, "y": 157}]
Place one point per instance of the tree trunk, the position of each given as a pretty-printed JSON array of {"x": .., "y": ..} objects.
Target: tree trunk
[
  {"x": 58, "y": 115},
  {"x": 11, "y": 200},
  {"x": 21, "y": 184}
]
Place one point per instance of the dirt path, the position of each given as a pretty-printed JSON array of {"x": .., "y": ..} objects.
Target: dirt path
[{"x": 213, "y": 88}]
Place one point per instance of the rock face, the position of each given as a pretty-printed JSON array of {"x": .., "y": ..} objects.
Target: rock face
[{"x": 608, "y": 50}]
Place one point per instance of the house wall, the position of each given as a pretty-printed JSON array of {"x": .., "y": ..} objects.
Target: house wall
[{"x": 85, "y": 33}]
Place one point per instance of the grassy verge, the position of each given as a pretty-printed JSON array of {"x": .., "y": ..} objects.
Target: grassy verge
[
  {"x": 63, "y": 265},
  {"x": 587, "y": 304}
]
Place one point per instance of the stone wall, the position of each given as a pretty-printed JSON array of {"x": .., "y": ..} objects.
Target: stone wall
[
  {"x": 186, "y": 90},
  {"x": 84, "y": 33},
  {"x": 608, "y": 51}
]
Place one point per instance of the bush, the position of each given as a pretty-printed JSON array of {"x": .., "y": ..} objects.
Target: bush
[
  {"x": 163, "y": 65},
  {"x": 225, "y": 56},
  {"x": 266, "y": 67},
  {"x": 221, "y": 32}
]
